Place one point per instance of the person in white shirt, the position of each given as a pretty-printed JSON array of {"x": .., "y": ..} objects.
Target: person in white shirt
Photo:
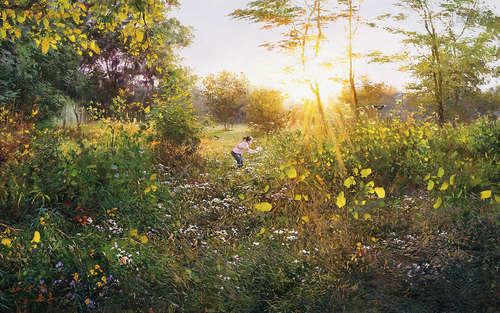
[{"x": 244, "y": 145}]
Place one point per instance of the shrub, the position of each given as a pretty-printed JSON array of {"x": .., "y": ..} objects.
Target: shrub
[{"x": 265, "y": 111}]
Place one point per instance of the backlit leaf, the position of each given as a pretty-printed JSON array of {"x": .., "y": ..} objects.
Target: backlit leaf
[
  {"x": 430, "y": 185},
  {"x": 444, "y": 186},
  {"x": 36, "y": 237},
  {"x": 438, "y": 203},
  {"x": 440, "y": 172},
  {"x": 350, "y": 181},
  {"x": 485, "y": 194},
  {"x": 340, "y": 200},
  {"x": 366, "y": 172},
  {"x": 263, "y": 206},
  {"x": 291, "y": 172},
  {"x": 452, "y": 179},
  {"x": 380, "y": 192}
]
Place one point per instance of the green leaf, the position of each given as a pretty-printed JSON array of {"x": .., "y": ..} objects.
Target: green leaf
[{"x": 266, "y": 188}]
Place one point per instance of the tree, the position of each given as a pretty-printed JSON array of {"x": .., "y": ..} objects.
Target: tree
[
  {"x": 371, "y": 96},
  {"x": 56, "y": 23},
  {"x": 226, "y": 94},
  {"x": 452, "y": 55},
  {"x": 302, "y": 22},
  {"x": 117, "y": 69},
  {"x": 28, "y": 78},
  {"x": 119, "y": 46},
  {"x": 265, "y": 110}
]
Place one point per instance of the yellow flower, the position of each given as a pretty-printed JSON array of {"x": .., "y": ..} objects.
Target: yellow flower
[
  {"x": 36, "y": 237},
  {"x": 143, "y": 239},
  {"x": 7, "y": 242},
  {"x": 87, "y": 301},
  {"x": 103, "y": 279},
  {"x": 75, "y": 276}
]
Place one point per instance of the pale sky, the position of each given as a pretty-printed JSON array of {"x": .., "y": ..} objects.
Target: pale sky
[{"x": 222, "y": 43}]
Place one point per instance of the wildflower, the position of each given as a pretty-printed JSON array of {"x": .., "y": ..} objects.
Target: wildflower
[{"x": 7, "y": 242}]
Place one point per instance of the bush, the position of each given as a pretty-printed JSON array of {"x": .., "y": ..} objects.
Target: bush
[
  {"x": 177, "y": 125},
  {"x": 265, "y": 110}
]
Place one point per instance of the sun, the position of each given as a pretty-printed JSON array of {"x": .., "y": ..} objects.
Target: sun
[{"x": 316, "y": 73}]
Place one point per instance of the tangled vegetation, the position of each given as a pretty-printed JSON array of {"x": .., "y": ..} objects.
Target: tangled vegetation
[{"x": 95, "y": 219}]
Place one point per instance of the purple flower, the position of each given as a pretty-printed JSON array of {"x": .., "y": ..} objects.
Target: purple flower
[
  {"x": 73, "y": 283},
  {"x": 42, "y": 282},
  {"x": 57, "y": 282},
  {"x": 59, "y": 266},
  {"x": 70, "y": 295}
]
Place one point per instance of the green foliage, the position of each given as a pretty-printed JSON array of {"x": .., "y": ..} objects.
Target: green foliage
[
  {"x": 176, "y": 124},
  {"x": 109, "y": 229},
  {"x": 226, "y": 94},
  {"x": 29, "y": 77}
]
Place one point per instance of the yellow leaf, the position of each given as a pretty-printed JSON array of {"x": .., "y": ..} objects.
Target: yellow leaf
[
  {"x": 366, "y": 216},
  {"x": 430, "y": 185},
  {"x": 427, "y": 177},
  {"x": 262, "y": 230},
  {"x": 95, "y": 47},
  {"x": 452, "y": 179},
  {"x": 298, "y": 197},
  {"x": 444, "y": 186},
  {"x": 305, "y": 219},
  {"x": 380, "y": 192},
  {"x": 486, "y": 194},
  {"x": 263, "y": 206},
  {"x": 350, "y": 181},
  {"x": 154, "y": 187},
  {"x": 36, "y": 237},
  {"x": 356, "y": 216},
  {"x": 266, "y": 188},
  {"x": 366, "y": 172},
  {"x": 147, "y": 109},
  {"x": 440, "y": 172},
  {"x": 139, "y": 35},
  {"x": 306, "y": 198},
  {"x": 147, "y": 190},
  {"x": 341, "y": 200},
  {"x": 45, "y": 45},
  {"x": 438, "y": 203},
  {"x": 291, "y": 172}
]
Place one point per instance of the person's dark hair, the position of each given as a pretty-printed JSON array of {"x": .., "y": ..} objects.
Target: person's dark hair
[{"x": 247, "y": 138}]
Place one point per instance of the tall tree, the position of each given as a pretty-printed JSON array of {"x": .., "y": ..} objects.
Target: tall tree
[
  {"x": 451, "y": 52},
  {"x": 226, "y": 94},
  {"x": 302, "y": 24}
]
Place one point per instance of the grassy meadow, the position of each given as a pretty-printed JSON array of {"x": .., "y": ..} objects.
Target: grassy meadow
[{"x": 389, "y": 217}]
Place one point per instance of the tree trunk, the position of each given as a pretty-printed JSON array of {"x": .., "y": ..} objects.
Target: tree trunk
[{"x": 354, "y": 95}]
